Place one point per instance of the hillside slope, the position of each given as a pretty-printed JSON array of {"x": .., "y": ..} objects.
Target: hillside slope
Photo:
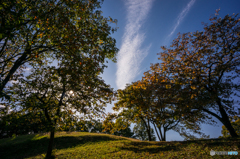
[{"x": 93, "y": 145}]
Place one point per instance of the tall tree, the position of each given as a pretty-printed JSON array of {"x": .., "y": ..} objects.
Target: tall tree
[
  {"x": 153, "y": 102},
  {"x": 75, "y": 34},
  {"x": 52, "y": 92},
  {"x": 206, "y": 64},
  {"x": 165, "y": 110},
  {"x": 133, "y": 104}
]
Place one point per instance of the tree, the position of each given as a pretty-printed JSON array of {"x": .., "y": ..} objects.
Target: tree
[
  {"x": 206, "y": 64},
  {"x": 81, "y": 126},
  {"x": 132, "y": 105},
  {"x": 117, "y": 125},
  {"x": 141, "y": 103},
  {"x": 21, "y": 123},
  {"x": 235, "y": 121},
  {"x": 97, "y": 126},
  {"x": 153, "y": 101},
  {"x": 165, "y": 110},
  {"x": 33, "y": 31},
  {"x": 77, "y": 36},
  {"x": 125, "y": 132},
  {"x": 140, "y": 132},
  {"x": 71, "y": 124},
  {"x": 161, "y": 109},
  {"x": 52, "y": 91}
]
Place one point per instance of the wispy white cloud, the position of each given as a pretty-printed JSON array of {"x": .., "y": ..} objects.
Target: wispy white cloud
[
  {"x": 182, "y": 15},
  {"x": 131, "y": 55}
]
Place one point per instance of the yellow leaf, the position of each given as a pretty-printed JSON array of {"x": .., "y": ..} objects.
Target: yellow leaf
[
  {"x": 193, "y": 95},
  {"x": 168, "y": 86},
  {"x": 193, "y": 87}
]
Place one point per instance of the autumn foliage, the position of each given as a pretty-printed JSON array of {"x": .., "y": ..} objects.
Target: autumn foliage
[
  {"x": 206, "y": 63},
  {"x": 193, "y": 84}
]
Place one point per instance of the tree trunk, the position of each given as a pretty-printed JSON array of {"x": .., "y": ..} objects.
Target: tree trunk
[
  {"x": 231, "y": 130},
  {"x": 148, "y": 128},
  {"x": 156, "y": 132},
  {"x": 160, "y": 132},
  {"x": 225, "y": 120},
  {"x": 149, "y": 131},
  {"x": 50, "y": 145},
  {"x": 164, "y": 134}
]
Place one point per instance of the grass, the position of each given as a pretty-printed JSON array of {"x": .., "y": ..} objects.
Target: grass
[{"x": 93, "y": 145}]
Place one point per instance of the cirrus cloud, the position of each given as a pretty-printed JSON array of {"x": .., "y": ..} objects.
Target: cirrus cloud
[
  {"x": 131, "y": 54},
  {"x": 181, "y": 16}
]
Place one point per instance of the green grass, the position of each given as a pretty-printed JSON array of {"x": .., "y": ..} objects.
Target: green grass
[{"x": 93, "y": 145}]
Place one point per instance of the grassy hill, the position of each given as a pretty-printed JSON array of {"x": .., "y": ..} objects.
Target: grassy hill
[{"x": 93, "y": 145}]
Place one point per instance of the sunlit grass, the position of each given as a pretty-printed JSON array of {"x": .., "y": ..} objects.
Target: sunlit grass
[{"x": 93, "y": 145}]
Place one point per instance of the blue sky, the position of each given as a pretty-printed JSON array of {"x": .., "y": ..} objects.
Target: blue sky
[{"x": 145, "y": 26}]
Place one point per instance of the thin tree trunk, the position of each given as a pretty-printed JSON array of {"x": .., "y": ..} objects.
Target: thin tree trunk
[
  {"x": 149, "y": 131},
  {"x": 226, "y": 121},
  {"x": 148, "y": 128},
  {"x": 164, "y": 134},
  {"x": 231, "y": 130},
  {"x": 160, "y": 131},
  {"x": 50, "y": 145},
  {"x": 156, "y": 131}
]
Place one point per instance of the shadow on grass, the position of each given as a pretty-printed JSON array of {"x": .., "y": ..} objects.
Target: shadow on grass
[
  {"x": 156, "y": 147},
  {"x": 152, "y": 148},
  {"x": 223, "y": 143},
  {"x": 32, "y": 148},
  {"x": 215, "y": 142}
]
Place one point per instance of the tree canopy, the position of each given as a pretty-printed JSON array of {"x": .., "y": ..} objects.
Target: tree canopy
[
  {"x": 61, "y": 30},
  {"x": 153, "y": 101},
  {"x": 206, "y": 64}
]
